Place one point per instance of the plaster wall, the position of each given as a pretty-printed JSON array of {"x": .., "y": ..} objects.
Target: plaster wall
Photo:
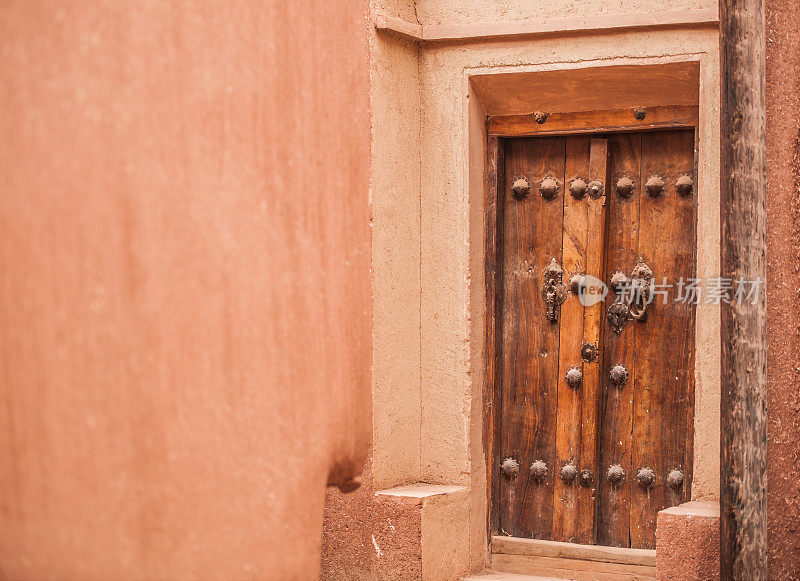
[
  {"x": 395, "y": 201},
  {"x": 185, "y": 297}
]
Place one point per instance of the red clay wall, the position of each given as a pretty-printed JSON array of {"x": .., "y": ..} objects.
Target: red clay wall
[
  {"x": 184, "y": 307},
  {"x": 783, "y": 282}
]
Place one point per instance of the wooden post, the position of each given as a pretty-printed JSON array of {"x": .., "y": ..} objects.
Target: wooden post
[{"x": 743, "y": 524}]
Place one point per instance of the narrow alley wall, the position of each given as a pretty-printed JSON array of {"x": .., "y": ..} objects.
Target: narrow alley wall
[{"x": 185, "y": 297}]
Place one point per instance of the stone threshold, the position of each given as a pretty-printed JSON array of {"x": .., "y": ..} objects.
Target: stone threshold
[{"x": 552, "y": 559}]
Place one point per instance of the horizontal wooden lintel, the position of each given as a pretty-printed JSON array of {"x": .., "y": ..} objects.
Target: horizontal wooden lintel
[
  {"x": 543, "y": 26},
  {"x": 612, "y": 120}
]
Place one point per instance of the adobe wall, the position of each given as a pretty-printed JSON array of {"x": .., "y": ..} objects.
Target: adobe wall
[
  {"x": 185, "y": 297},
  {"x": 783, "y": 281}
]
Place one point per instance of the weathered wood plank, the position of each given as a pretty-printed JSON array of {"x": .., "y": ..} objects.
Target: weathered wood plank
[
  {"x": 568, "y": 432},
  {"x": 493, "y": 393},
  {"x": 613, "y": 120},
  {"x": 663, "y": 388},
  {"x": 592, "y": 333},
  {"x": 571, "y": 568},
  {"x": 531, "y": 238},
  {"x": 601, "y": 554},
  {"x": 622, "y": 244},
  {"x": 743, "y": 516}
]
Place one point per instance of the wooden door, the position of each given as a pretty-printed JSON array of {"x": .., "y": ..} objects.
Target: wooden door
[{"x": 594, "y": 392}]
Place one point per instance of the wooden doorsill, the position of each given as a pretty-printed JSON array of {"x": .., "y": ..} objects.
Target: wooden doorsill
[{"x": 570, "y": 560}]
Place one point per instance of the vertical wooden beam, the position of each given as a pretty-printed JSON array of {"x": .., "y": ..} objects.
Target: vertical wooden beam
[
  {"x": 567, "y": 511},
  {"x": 743, "y": 530},
  {"x": 621, "y": 249},
  {"x": 593, "y": 322},
  {"x": 494, "y": 220}
]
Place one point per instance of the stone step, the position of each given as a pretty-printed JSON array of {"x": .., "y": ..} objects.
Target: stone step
[
  {"x": 557, "y": 560},
  {"x": 498, "y": 576}
]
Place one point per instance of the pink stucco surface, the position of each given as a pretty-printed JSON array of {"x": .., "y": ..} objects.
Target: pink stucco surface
[{"x": 185, "y": 296}]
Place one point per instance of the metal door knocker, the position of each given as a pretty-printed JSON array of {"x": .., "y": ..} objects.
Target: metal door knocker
[
  {"x": 642, "y": 290},
  {"x": 635, "y": 293},
  {"x": 554, "y": 292}
]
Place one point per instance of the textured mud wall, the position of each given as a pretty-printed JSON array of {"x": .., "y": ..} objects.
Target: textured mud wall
[
  {"x": 366, "y": 537},
  {"x": 185, "y": 297},
  {"x": 370, "y": 538},
  {"x": 783, "y": 284}
]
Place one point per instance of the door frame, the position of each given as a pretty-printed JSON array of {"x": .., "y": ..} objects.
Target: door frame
[{"x": 498, "y": 128}]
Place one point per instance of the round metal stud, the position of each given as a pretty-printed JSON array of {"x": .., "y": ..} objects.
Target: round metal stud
[
  {"x": 568, "y": 473},
  {"x": 538, "y": 470},
  {"x": 586, "y": 478},
  {"x": 577, "y": 188},
  {"x": 549, "y": 188},
  {"x": 675, "y": 479},
  {"x": 596, "y": 189},
  {"x": 509, "y": 467},
  {"x": 684, "y": 186},
  {"x": 640, "y": 113},
  {"x": 645, "y": 478},
  {"x": 654, "y": 186},
  {"x": 589, "y": 352},
  {"x": 617, "y": 316},
  {"x": 619, "y": 280},
  {"x": 520, "y": 188},
  {"x": 615, "y": 474},
  {"x": 574, "y": 377},
  {"x": 577, "y": 282},
  {"x": 624, "y": 187},
  {"x": 540, "y": 117},
  {"x": 619, "y": 375}
]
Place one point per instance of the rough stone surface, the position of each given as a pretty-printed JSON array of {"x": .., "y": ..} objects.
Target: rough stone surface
[{"x": 687, "y": 542}]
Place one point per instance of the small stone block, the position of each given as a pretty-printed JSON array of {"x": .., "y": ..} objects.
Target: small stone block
[{"x": 687, "y": 542}]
